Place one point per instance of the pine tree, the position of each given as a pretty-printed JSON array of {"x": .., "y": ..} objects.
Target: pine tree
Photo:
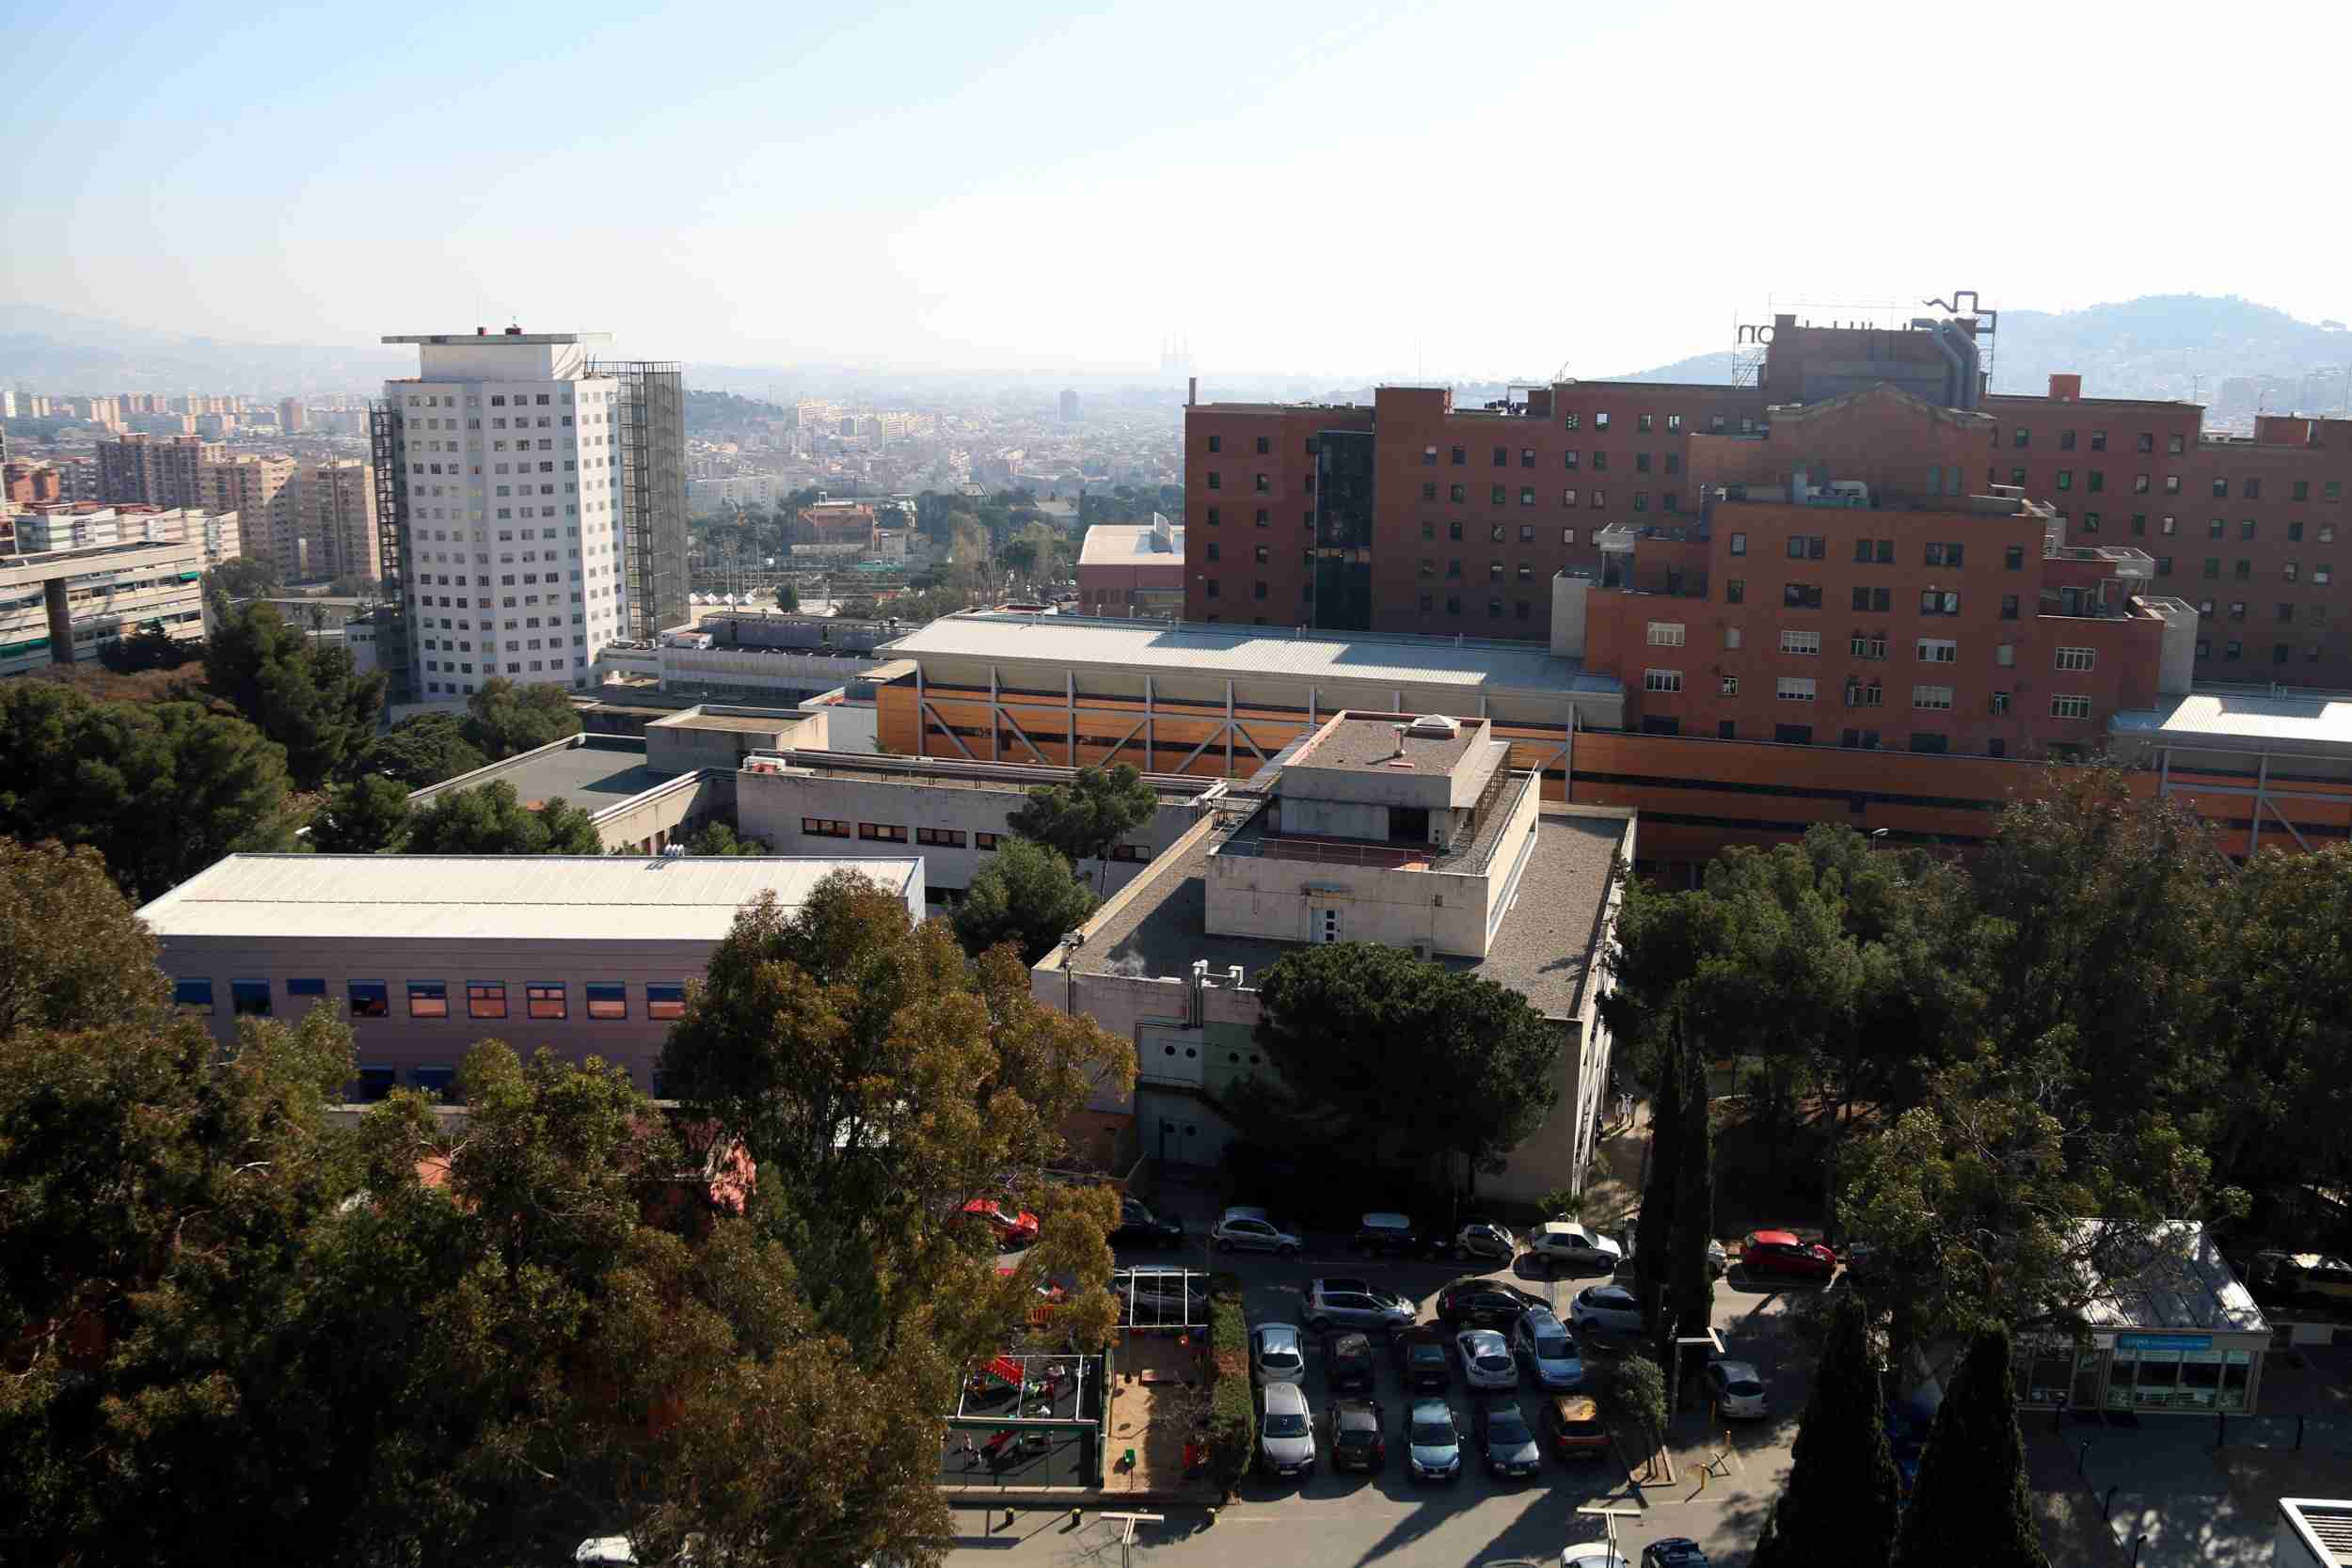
[
  {"x": 1970, "y": 1505},
  {"x": 1839, "y": 1509}
]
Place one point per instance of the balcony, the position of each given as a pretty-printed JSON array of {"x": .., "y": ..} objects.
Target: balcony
[{"x": 2123, "y": 560}]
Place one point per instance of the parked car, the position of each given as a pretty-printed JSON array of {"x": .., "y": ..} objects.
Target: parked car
[
  {"x": 1391, "y": 1234},
  {"x": 1572, "y": 1422},
  {"x": 1545, "y": 1348},
  {"x": 1780, "y": 1252},
  {"x": 1255, "y": 1230},
  {"x": 1276, "y": 1355},
  {"x": 1355, "y": 1304},
  {"x": 1483, "y": 1303},
  {"x": 1486, "y": 1359},
  {"x": 1504, "y": 1442},
  {"x": 1592, "y": 1554},
  {"x": 1348, "y": 1361},
  {"x": 1433, "y": 1442},
  {"x": 1736, "y": 1389},
  {"x": 1286, "y": 1431},
  {"x": 1676, "y": 1551},
  {"x": 1012, "y": 1227},
  {"x": 1139, "y": 1226},
  {"x": 1358, "y": 1442},
  {"x": 1485, "y": 1239},
  {"x": 1151, "y": 1297},
  {"x": 1608, "y": 1307},
  {"x": 1566, "y": 1245},
  {"x": 2312, "y": 1275},
  {"x": 1421, "y": 1359}
]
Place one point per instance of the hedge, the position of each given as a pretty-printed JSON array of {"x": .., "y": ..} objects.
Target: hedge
[{"x": 1232, "y": 1413}]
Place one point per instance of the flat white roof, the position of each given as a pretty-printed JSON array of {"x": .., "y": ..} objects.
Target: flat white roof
[
  {"x": 557, "y": 897},
  {"x": 1198, "y": 648},
  {"x": 2218, "y": 716},
  {"x": 1130, "y": 545}
]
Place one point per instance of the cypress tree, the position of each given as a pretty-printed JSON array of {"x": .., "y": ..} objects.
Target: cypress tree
[
  {"x": 1970, "y": 1505},
  {"x": 1839, "y": 1509},
  {"x": 1656, "y": 1235},
  {"x": 1690, "y": 1292}
]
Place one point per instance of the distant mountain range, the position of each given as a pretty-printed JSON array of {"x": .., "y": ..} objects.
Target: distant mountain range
[
  {"x": 55, "y": 351},
  {"x": 2225, "y": 352}
]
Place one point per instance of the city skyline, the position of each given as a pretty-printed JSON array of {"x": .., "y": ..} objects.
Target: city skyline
[{"x": 966, "y": 215}]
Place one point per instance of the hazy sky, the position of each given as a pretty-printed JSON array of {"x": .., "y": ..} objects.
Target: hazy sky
[{"x": 1363, "y": 190}]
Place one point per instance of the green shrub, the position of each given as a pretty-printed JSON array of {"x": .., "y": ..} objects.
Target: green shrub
[{"x": 1232, "y": 1414}]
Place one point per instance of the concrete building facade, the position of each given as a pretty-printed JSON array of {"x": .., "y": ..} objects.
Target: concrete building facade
[
  {"x": 1133, "y": 569},
  {"x": 59, "y": 607},
  {"x": 335, "y": 531},
  {"x": 157, "y": 472},
  {"x": 260, "y": 491}
]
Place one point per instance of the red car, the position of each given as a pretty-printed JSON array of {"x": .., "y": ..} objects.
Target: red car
[
  {"x": 1780, "y": 1252},
  {"x": 1012, "y": 1229}
]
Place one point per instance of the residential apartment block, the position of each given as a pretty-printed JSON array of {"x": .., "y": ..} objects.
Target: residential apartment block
[
  {"x": 334, "y": 525},
  {"x": 157, "y": 472},
  {"x": 217, "y": 536},
  {"x": 57, "y": 606},
  {"x": 260, "y": 491},
  {"x": 532, "y": 505}
]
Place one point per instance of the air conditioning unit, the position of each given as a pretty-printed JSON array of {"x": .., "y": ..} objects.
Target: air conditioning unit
[{"x": 1421, "y": 951}]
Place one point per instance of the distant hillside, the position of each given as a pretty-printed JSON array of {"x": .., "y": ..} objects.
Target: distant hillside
[
  {"x": 2225, "y": 352},
  {"x": 55, "y": 351}
]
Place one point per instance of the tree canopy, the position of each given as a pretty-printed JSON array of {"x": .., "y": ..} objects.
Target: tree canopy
[
  {"x": 1025, "y": 895},
  {"x": 490, "y": 820},
  {"x": 503, "y": 719},
  {"x": 1084, "y": 817},
  {"x": 306, "y": 696},
  {"x": 421, "y": 750},
  {"x": 367, "y": 815},
  {"x": 1837, "y": 1508},
  {"x": 1971, "y": 1507},
  {"x": 719, "y": 838}
]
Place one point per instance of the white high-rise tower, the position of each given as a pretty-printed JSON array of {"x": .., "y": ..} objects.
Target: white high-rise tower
[{"x": 503, "y": 499}]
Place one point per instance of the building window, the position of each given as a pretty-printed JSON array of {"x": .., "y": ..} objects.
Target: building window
[
  {"x": 2290, "y": 570},
  {"x": 665, "y": 999},
  {"x": 1729, "y": 686},
  {"x": 2233, "y": 650},
  {"x": 1661, "y": 680},
  {"x": 1738, "y": 543},
  {"x": 607, "y": 999},
  {"x": 545, "y": 1000},
  {"x": 1794, "y": 689},
  {"x": 485, "y": 999},
  {"x": 1807, "y": 547},
  {"x": 2009, "y": 606},
  {"x": 2077, "y": 659},
  {"x": 1215, "y": 482},
  {"x": 2020, "y": 439},
  {"x": 1666, "y": 634},
  {"x": 1938, "y": 698},
  {"x": 1865, "y": 644},
  {"x": 2066, "y": 479},
  {"x": 1495, "y": 493},
  {"x": 1800, "y": 595},
  {"x": 983, "y": 841},
  {"x": 1807, "y": 643},
  {"x": 2013, "y": 558},
  {"x": 1600, "y": 498},
  {"x": 2091, "y": 522},
  {"x": 1870, "y": 599},
  {"x": 2069, "y": 707},
  {"x": 249, "y": 998},
  {"x": 1459, "y": 495},
  {"x": 882, "y": 832},
  {"x": 1216, "y": 443},
  {"x": 1940, "y": 554},
  {"x": 1460, "y": 456},
  {"x": 1859, "y": 694},
  {"x": 370, "y": 998},
  {"x": 1735, "y": 590},
  {"x": 1429, "y": 457},
  {"x": 945, "y": 838},
  {"x": 1266, "y": 445},
  {"x": 824, "y": 827},
  {"x": 1527, "y": 495},
  {"x": 193, "y": 996},
  {"x": 2066, "y": 440},
  {"x": 1933, "y": 602},
  {"x": 428, "y": 999},
  {"x": 1938, "y": 650}
]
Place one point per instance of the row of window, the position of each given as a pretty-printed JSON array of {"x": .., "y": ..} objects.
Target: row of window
[
  {"x": 2280, "y": 653},
  {"x": 485, "y": 999},
  {"x": 1804, "y": 688},
  {"x": 1931, "y": 650}
]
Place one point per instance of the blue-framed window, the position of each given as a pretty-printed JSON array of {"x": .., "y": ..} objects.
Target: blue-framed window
[
  {"x": 485, "y": 999},
  {"x": 376, "y": 1082},
  {"x": 433, "y": 1082},
  {"x": 306, "y": 987},
  {"x": 607, "y": 999},
  {"x": 249, "y": 998},
  {"x": 371, "y": 998},
  {"x": 544, "y": 999},
  {"x": 428, "y": 999},
  {"x": 665, "y": 999},
  {"x": 193, "y": 996}
]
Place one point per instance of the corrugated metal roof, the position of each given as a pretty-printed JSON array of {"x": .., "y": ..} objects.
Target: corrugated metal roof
[
  {"x": 569, "y": 898},
  {"x": 1199, "y": 649},
  {"x": 2306, "y": 718}
]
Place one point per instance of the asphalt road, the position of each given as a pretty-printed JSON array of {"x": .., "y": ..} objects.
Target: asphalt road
[{"x": 1385, "y": 1519}]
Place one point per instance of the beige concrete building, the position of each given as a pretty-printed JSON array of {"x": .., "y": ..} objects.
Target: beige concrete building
[
  {"x": 334, "y": 531},
  {"x": 57, "y": 606},
  {"x": 157, "y": 472},
  {"x": 258, "y": 490}
]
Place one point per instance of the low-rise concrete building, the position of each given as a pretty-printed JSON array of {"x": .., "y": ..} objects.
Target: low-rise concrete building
[
  {"x": 1133, "y": 569},
  {"x": 62, "y": 605},
  {"x": 1381, "y": 828},
  {"x": 427, "y": 955}
]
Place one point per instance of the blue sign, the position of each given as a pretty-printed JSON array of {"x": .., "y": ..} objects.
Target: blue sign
[{"x": 2164, "y": 1342}]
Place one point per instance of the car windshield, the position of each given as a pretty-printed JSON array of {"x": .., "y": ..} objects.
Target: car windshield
[
  {"x": 1744, "y": 1386},
  {"x": 1554, "y": 1347},
  {"x": 1493, "y": 1361},
  {"x": 1286, "y": 1426},
  {"x": 1433, "y": 1434},
  {"x": 1280, "y": 1358},
  {"x": 1425, "y": 1354},
  {"x": 1358, "y": 1438},
  {"x": 1508, "y": 1431},
  {"x": 1608, "y": 1298}
]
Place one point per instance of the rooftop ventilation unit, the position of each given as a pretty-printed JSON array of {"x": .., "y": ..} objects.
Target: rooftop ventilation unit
[{"x": 1434, "y": 726}]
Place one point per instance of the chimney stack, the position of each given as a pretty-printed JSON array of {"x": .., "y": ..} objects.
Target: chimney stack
[{"x": 1192, "y": 391}]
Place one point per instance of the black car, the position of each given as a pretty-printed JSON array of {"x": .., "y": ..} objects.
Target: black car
[
  {"x": 1421, "y": 1359},
  {"x": 1676, "y": 1551},
  {"x": 1139, "y": 1226},
  {"x": 1482, "y": 1303},
  {"x": 1395, "y": 1235},
  {"x": 1504, "y": 1441},
  {"x": 1348, "y": 1361},
  {"x": 1357, "y": 1440}
]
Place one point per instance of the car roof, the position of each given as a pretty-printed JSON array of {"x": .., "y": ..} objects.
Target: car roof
[
  {"x": 1432, "y": 1408},
  {"x": 1342, "y": 1282},
  {"x": 1246, "y": 1215},
  {"x": 1287, "y": 1393},
  {"x": 1388, "y": 1222},
  {"x": 1540, "y": 1318},
  {"x": 1738, "y": 1369},
  {"x": 1775, "y": 1238},
  {"x": 1576, "y": 1407},
  {"x": 1423, "y": 1334},
  {"x": 1341, "y": 1342},
  {"x": 1598, "y": 1292},
  {"x": 1481, "y": 1333},
  {"x": 1677, "y": 1548},
  {"x": 1356, "y": 1413}
]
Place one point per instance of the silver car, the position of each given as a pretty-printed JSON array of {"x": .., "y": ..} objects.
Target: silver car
[
  {"x": 1545, "y": 1348},
  {"x": 1612, "y": 1308},
  {"x": 1255, "y": 1230},
  {"x": 1486, "y": 1359},
  {"x": 1736, "y": 1389},
  {"x": 1355, "y": 1304},
  {"x": 1574, "y": 1246},
  {"x": 1434, "y": 1441},
  {"x": 1286, "y": 1431},
  {"x": 1277, "y": 1354}
]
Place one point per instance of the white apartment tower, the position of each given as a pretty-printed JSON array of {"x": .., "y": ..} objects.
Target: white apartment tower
[{"x": 524, "y": 503}]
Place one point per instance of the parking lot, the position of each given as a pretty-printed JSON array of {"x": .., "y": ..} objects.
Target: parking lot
[{"x": 1385, "y": 1517}]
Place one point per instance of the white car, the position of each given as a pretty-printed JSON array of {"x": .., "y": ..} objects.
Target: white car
[
  {"x": 1486, "y": 1359},
  {"x": 1485, "y": 1239},
  {"x": 1571, "y": 1246},
  {"x": 1736, "y": 1389},
  {"x": 1255, "y": 1230},
  {"x": 1276, "y": 1355},
  {"x": 1609, "y": 1307},
  {"x": 1286, "y": 1431},
  {"x": 1592, "y": 1554}
]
